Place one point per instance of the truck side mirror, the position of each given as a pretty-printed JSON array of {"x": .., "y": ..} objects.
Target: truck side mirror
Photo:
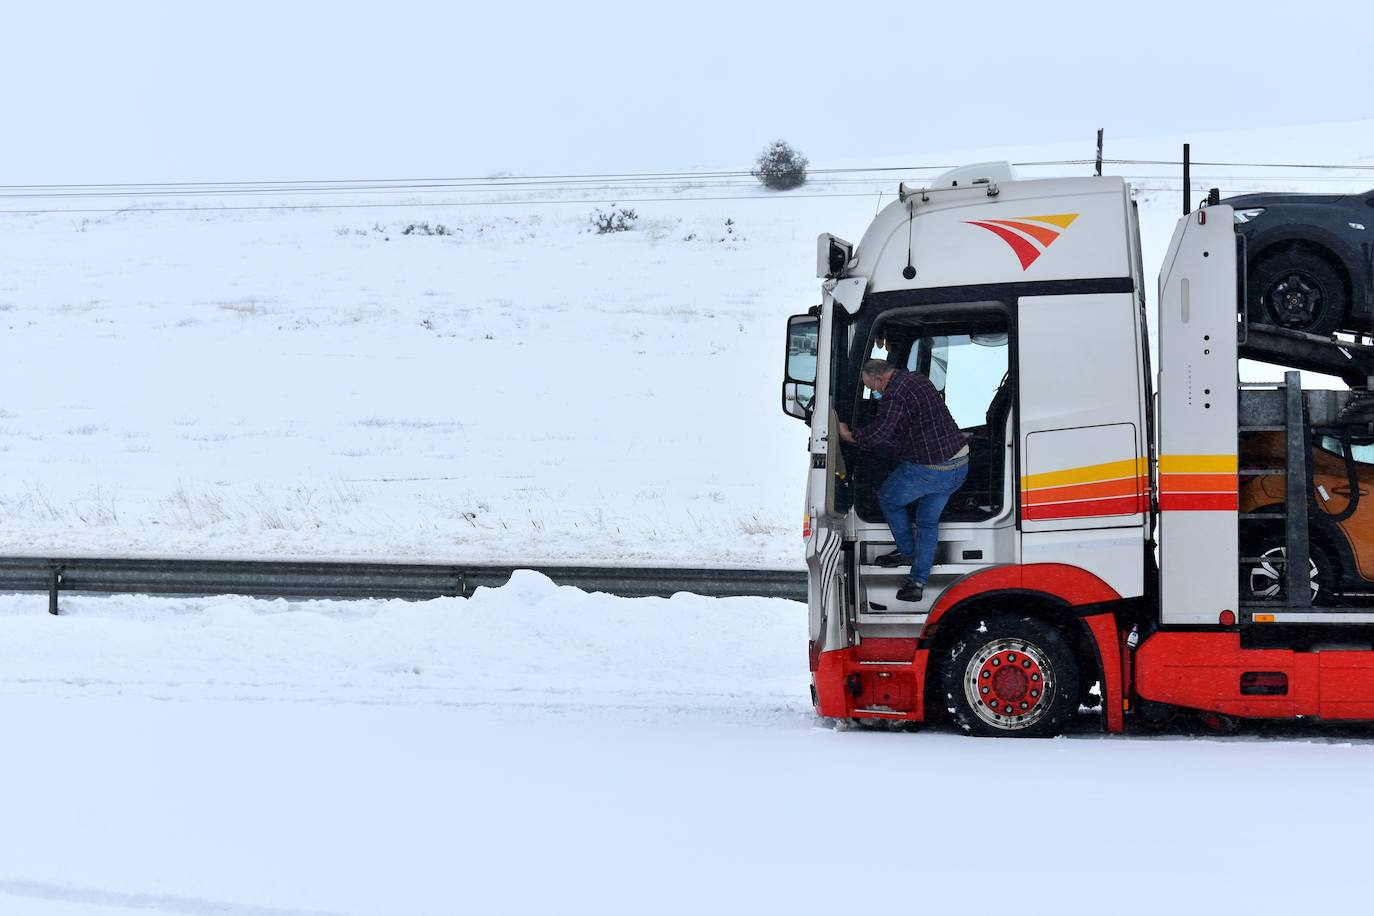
[
  {"x": 797, "y": 400},
  {"x": 799, "y": 377}
]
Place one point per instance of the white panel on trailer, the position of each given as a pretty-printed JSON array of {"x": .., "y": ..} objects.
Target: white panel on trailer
[{"x": 1196, "y": 470}]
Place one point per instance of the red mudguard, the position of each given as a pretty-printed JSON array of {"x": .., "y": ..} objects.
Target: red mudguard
[{"x": 885, "y": 678}]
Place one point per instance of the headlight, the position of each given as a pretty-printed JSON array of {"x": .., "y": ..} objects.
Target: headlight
[{"x": 1244, "y": 216}]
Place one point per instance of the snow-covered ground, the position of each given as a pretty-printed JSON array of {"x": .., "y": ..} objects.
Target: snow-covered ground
[
  {"x": 539, "y": 750},
  {"x": 267, "y": 385},
  {"x": 317, "y": 383}
]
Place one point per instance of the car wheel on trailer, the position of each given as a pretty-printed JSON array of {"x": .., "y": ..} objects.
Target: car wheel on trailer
[
  {"x": 1299, "y": 291},
  {"x": 1263, "y": 578},
  {"x": 1012, "y": 677}
]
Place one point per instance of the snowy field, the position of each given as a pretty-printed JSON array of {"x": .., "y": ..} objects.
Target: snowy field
[
  {"x": 273, "y": 383},
  {"x": 539, "y": 750}
]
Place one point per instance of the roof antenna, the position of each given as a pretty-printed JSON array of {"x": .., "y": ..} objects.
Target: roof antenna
[
  {"x": 909, "y": 272},
  {"x": 1098, "y": 172}
]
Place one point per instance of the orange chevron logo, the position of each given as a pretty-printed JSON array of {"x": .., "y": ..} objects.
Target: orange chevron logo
[{"x": 1024, "y": 233}]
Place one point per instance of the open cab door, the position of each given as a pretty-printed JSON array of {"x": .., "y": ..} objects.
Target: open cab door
[{"x": 808, "y": 393}]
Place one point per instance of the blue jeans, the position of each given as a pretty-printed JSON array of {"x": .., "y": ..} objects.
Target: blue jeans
[{"x": 929, "y": 489}]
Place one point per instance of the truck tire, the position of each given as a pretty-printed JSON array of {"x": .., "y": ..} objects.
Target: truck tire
[
  {"x": 1297, "y": 290},
  {"x": 1012, "y": 677}
]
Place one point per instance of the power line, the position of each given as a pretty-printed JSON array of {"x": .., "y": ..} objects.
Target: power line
[
  {"x": 487, "y": 180},
  {"x": 539, "y": 187},
  {"x": 491, "y": 181},
  {"x": 245, "y": 192},
  {"x": 480, "y": 203},
  {"x": 1246, "y": 165},
  {"x": 414, "y": 204},
  {"x": 684, "y": 192}
]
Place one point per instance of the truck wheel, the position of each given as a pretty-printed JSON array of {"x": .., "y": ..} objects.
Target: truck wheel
[
  {"x": 1297, "y": 290},
  {"x": 1011, "y": 677}
]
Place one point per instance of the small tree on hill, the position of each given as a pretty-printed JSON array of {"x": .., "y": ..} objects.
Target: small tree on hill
[
  {"x": 620, "y": 219},
  {"x": 780, "y": 167}
]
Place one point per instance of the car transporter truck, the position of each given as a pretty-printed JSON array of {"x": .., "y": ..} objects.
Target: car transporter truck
[{"x": 1097, "y": 553}]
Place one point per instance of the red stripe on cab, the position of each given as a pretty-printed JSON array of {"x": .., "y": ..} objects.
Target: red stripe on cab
[
  {"x": 1086, "y": 508},
  {"x": 1198, "y": 502}
]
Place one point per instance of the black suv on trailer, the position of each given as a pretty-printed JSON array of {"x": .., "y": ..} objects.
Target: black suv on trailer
[{"x": 1309, "y": 258}]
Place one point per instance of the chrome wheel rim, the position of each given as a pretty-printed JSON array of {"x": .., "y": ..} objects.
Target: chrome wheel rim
[
  {"x": 1009, "y": 684},
  {"x": 1266, "y": 577}
]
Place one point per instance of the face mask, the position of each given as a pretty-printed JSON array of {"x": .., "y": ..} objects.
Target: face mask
[{"x": 877, "y": 395}]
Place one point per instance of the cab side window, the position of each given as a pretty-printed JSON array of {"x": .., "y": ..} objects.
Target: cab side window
[{"x": 966, "y": 358}]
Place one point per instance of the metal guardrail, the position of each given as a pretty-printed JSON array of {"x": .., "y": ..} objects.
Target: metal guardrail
[{"x": 292, "y": 579}]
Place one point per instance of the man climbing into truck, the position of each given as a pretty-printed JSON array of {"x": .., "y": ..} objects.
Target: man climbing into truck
[{"x": 913, "y": 426}]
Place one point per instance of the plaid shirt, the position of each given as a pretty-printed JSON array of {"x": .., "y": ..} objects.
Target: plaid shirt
[{"x": 913, "y": 423}]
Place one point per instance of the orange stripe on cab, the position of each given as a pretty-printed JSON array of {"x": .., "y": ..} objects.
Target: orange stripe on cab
[
  {"x": 1197, "y": 483},
  {"x": 1041, "y": 234},
  {"x": 1125, "y": 486}
]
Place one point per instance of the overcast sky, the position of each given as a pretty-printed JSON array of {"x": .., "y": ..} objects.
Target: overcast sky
[{"x": 169, "y": 91}]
